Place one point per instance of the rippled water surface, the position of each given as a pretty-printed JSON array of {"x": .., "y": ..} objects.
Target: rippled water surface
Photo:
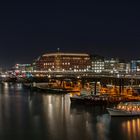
[{"x": 40, "y": 116}]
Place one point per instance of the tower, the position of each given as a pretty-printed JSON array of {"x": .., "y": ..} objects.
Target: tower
[{"x": 58, "y": 60}]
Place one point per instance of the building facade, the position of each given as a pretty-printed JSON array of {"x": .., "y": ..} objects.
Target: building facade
[
  {"x": 135, "y": 66},
  {"x": 123, "y": 68},
  {"x": 97, "y": 64},
  {"x": 21, "y": 70},
  {"x": 63, "y": 62},
  {"x": 111, "y": 65}
]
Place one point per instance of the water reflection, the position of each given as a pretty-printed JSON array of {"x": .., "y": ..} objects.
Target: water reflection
[
  {"x": 131, "y": 127},
  {"x": 96, "y": 121},
  {"x": 26, "y": 115},
  {"x": 103, "y": 127}
]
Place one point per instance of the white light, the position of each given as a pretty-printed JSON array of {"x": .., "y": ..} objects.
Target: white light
[{"x": 118, "y": 75}]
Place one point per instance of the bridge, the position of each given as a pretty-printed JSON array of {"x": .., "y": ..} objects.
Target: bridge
[
  {"x": 118, "y": 80},
  {"x": 84, "y": 76}
]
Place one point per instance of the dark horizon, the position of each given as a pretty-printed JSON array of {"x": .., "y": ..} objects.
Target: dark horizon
[{"x": 28, "y": 30}]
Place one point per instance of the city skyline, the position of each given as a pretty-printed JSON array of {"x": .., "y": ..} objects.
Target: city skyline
[{"x": 29, "y": 30}]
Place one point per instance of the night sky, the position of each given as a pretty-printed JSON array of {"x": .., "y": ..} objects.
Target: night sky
[{"x": 28, "y": 30}]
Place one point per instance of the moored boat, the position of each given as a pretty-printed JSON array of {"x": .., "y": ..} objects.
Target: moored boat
[
  {"x": 90, "y": 99},
  {"x": 125, "y": 109},
  {"x": 53, "y": 89}
]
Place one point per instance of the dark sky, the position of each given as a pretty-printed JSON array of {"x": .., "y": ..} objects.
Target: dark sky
[{"x": 28, "y": 30}]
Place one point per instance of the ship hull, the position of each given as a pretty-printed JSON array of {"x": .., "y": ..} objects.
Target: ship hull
[{"x": 116, "y": 112}]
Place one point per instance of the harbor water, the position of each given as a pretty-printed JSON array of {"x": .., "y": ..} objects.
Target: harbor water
[{"x": 26, "y": 115}]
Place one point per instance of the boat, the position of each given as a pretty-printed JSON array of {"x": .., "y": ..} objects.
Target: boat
[
  {"x": 125, "y": 109},
  {"x": 51, "y": 89},
  {"x": 91, "y": 99}
]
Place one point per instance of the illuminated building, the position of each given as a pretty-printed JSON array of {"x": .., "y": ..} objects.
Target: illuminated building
[
  {"x": 97, "y": 64},
  {"x": 22, "y": 69},
  {"x": 123, "y": 68},
  {"x": 135, "y": 66},
  {"x": 111, "y": 65},
  {"x": 63, "y": 62}
]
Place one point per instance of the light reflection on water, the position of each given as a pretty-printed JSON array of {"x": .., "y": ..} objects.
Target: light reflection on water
[
  {"x": 131, "y": 127},
  {"x": 25, "y": 115},
  {"x": 126, "y": 127},
  {"x": 103, "y": 123}
]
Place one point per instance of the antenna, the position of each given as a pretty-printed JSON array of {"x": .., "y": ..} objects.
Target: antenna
[{"x": 58, "y": 49}]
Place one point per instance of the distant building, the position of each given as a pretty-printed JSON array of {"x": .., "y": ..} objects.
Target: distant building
[
  {"x": 111, "y": 65},
  {"x": 123, "y": 68},
  {"x": 97, "y": 64},
  {"x": 63, "y": 62},
  {"x": 135, "y": 66},
  {"x": 22, "y": 69}
]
